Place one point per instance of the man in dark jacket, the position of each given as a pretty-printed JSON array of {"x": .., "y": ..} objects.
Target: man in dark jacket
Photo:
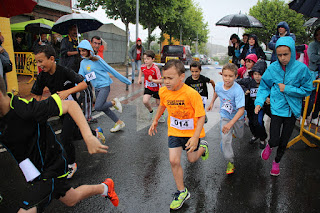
[
  {"x": 282, "y": 30},
  {"x": 70, "y": 57}
]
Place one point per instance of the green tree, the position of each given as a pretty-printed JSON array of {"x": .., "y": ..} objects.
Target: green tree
[
  {"x": 270, "y": 13},
  {"x": 154, "y": 13},
  {"x": 114, "y": 9}
]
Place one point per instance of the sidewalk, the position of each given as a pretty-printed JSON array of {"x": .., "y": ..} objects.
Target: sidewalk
[{"x": 118, "y": 89}]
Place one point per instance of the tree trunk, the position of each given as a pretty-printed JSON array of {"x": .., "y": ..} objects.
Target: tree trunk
[
  {"x": 149, "y": 36},
  {"x": 126, "y": 59}
]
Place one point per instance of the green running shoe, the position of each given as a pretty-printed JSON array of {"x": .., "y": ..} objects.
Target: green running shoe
[
  {"x": 205, "y": 145},
  {"x": 179, "y": 198},
  {"x": 230, "y": 168}
]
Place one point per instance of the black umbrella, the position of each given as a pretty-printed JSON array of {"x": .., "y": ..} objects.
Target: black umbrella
[
  {"x": 312, "y": 22},
  {"x": 239, "y": 20},
  {"x": 309, "y": 8},
  {"x": 38, "y": 28},
  {"x": 84, "y": 23}
]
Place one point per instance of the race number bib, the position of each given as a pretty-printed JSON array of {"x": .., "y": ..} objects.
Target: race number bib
[
  {"x": 228, "y": 107},
  {"x": 253, "y": 92},
  {"x": 204, "y": 100},
  {"x": 90, "y": 76},
  {"x": 151, "y": 84},
  {"x": 184, "y": 124},
  {"x": 69, "y": 98}
]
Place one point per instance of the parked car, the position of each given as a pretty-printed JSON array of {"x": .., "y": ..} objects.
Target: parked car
[
  {"x": 176, "y": 51},
  {"x": 210, "y": 61},
  {"x": 203, "y": 59}
]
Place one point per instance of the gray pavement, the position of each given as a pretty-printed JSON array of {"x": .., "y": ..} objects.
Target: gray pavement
[{"x": 141, "y": 170}]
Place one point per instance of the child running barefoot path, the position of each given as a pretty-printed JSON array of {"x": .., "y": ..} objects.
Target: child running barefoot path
[
  {"x": 152, "y": 81},
  {"x": 287, "y": 81},
  {"x": 95, "y": 70},
  {"x": 186, "y": 117},
  {"x": 232, "y": 104},
  {"x": 36, "y": 145}
]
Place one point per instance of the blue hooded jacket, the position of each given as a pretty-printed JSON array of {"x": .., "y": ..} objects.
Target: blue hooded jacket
[
  {"x": 274, "y": 39},
  {"x": 297, "y": 79},
  {"x": 100, "y": 69}
]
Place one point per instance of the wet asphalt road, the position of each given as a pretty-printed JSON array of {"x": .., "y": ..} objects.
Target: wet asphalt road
[{"x": 140, "y": 168}]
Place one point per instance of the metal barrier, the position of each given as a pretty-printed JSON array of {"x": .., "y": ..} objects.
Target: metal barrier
[
  {"x": 307, "y": 129},
  {"x": 26, "y": 64}
]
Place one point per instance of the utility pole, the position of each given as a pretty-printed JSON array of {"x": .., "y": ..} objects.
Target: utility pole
[
  {"x": 180, "y": 35},
  {"x": 197, "y": 44},
  {"x": 137, "y": 20}
]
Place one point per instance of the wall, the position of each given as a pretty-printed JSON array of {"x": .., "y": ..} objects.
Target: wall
[{"x": 116, "y": 45}]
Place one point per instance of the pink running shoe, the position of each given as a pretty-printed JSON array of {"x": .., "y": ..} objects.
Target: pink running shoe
[
  {"x": 275, "y": 171},
  {"x": 265, "y": 154}
]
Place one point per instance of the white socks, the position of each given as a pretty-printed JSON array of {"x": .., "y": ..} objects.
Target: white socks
[{"x": 106, "y": 188}]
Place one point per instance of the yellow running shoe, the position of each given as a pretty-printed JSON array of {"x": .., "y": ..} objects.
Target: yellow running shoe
[
  {"x": 230, "y": 168},
  {"x": 179, "y": 198}
]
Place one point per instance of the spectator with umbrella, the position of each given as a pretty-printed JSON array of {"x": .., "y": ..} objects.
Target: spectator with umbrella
[
  {"x": 40, "y": 29},
  {"x": 234, "y": 49},
  {"x": 70, "y": 57},
  {"x": 73, "y": 24},
  {"x": 253, "y": 47},
  {"x": 282, "y": 30}
]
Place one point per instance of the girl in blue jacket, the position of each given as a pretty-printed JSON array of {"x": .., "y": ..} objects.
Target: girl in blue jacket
[
  {"x": 286, "y": 81},
  {"x": 96, "y": 70}
]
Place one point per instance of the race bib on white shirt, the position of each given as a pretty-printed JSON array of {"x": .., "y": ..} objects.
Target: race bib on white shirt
[
  {"x": 69, "y": 98},
  {"x": 228, "y": 107},
  {"x": 253, "y": 92},
  {"x": 184, "y": 124},
  {"x": 90, "y": 76},
  {"x": 151, "y": 84},
  {"x": 204, "y": 99}
]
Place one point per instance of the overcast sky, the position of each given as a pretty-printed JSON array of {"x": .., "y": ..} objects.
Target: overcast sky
[{"x": 213, "y": 11}]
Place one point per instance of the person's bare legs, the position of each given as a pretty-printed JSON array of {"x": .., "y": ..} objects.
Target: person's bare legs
[
  {"x": 177, "y": 171},
  {"x": 146, "y": 101},
  {"x": 194, "y": 156},
  {"x": 73, "y": 196}
]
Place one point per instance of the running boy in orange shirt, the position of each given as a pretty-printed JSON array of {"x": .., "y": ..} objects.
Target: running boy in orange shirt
[{"x": 186, "y": 117}]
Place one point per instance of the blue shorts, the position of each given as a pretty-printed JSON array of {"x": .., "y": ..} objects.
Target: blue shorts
[{"x": 174, "y": 142}]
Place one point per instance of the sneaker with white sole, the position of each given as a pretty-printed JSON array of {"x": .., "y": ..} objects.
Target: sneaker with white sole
[
  {"x": 314, "y": 121},
  {"x": 117, "y": 105},
  {"x": 179, "y": 198},
  {"x": 117, "y": 127},
  {"x": 305, "y": 122},
  {"x": 150, "y": 116},
  {"x": 72, "y": 170},
  {"x": 205, "y": 145},
  {"x": 162, "y": 119},
  {"x": 99, "y": 135}
]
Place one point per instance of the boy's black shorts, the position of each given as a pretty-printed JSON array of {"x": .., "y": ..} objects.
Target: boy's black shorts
[
  {"x": 174, "y": 142},
  {"x": 152, "y": 93},
  {"x": 40, "y": 193}
]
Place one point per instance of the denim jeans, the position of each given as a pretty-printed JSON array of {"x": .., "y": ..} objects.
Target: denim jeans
[
  {"x": 134, "y": 64},
  {"x": 102, "y": 104}
]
